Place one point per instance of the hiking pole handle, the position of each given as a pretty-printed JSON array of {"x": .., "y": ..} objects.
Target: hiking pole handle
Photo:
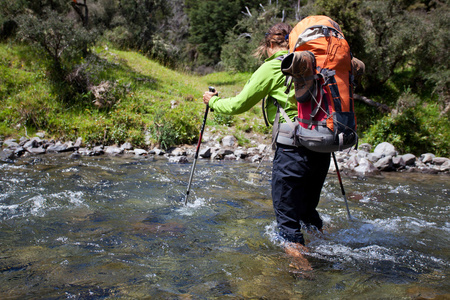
[
  {"x": 191, "y": 176},
  {"x": 212, "y": 90}
]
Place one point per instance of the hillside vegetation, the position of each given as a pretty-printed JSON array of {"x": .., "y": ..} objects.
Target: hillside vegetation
[
  {"x": 135, "y": 98},
  {"x": 112, "y": 71}
]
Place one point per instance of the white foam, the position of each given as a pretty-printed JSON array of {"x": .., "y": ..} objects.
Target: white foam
[
  {"x": 405, "y": 224},
  {"x": 192, "y": 206},
  {"x": 39, "y": 205}
]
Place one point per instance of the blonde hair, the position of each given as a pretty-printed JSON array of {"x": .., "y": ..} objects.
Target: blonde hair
[{"x": 277, "y": 35}]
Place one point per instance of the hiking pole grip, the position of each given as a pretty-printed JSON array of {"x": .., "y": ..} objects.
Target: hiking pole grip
[
  {"x": 342, "y": 186},
  {"x": 211, "y": 89}
]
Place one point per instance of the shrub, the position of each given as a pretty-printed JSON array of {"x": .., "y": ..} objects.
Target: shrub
[
  {"x": 177, "y": 126},
  {"x": 413, "y": 127}
]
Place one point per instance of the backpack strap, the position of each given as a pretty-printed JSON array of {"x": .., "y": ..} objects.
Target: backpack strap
[
  {"x": 263, "y": 107},
  {"x": 276, "y": 123},
  {"x": 263, "y": 104}
]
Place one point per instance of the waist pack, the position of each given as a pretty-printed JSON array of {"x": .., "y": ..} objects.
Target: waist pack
[{"x": 321, "y": 68}]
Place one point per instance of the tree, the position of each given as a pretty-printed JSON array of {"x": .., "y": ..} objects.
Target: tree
[
  {"x": 245, "y": 37},
  {"x": 209, "y": 22},
  {"x": 61, "y": 38}
]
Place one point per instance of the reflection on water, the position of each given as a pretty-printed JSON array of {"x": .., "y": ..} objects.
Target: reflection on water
[{"x": 105, "y": 227}]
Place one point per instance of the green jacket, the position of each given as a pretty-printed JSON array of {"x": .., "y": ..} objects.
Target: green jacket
[{"x": 268, "y": 80}]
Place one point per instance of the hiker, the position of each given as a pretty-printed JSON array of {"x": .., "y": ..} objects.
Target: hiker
[{"x": 298, "y": 173}]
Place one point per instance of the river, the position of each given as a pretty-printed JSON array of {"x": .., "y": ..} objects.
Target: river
[{"x": 117, "y": 227}]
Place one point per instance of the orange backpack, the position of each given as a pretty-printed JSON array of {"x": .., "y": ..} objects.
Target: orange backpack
[{"x": 326, "y": 120}]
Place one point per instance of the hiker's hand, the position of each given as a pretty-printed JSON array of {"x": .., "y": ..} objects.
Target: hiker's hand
[{"x": 207, "y": 96}]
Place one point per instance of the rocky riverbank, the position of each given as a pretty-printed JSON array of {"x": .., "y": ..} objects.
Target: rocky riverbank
[{"x": 366, "y": 161}]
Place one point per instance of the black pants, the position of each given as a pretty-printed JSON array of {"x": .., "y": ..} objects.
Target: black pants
[{"x": 297, "y": 179}]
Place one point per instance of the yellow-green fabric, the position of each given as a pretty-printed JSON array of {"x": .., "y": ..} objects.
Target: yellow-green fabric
[{"x": 267, "y": 81}]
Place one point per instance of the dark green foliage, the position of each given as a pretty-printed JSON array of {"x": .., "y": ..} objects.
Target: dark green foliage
[
  {"x": 174, "y": 127},
  {"x": 246, "y": 36},
  {"x": 413, "y": 127},
  {"x": 62, "y": 40},
  {"x": 210, "y": 20},
  {"x": 221, "y": 119}
]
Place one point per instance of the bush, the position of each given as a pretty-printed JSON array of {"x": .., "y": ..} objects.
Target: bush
[
  {"x": 413, "y": 127},
  {"x": 175, "y": 126}
]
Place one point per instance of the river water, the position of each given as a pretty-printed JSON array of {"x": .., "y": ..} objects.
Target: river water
[{"x": 109, "y": 227}]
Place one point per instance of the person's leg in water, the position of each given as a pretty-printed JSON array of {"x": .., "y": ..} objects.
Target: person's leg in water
[{"x": 297, "y": 179}]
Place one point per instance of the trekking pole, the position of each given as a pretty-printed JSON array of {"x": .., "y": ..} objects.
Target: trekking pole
[
  {"x": 342, "y": 186},
  {"x": 211, "y": 89}
]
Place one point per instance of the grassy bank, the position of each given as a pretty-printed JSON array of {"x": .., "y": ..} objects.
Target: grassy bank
[{"x": 144, "y": 99}]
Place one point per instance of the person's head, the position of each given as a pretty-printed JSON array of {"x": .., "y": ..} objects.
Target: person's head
[{"x": 274, "y": 40}]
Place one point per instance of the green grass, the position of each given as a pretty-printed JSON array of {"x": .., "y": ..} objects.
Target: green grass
[{"x": 142, "y": 98}]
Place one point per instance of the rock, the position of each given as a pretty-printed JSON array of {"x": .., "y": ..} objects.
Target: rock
[
  {"x": 230, "y": 157},
  {"x": 398, "y": 163},
  {"x": 78, "y": 143},
  {"x": 427, "y": 157},
  {"x": 445, "y": 167},
  {"x": 205, "y": 153},
  {"x": 157, "y": 151},
  {"x": 365, "y": 147},
  {"x": 366, "y": 167},
  {"x": 385, "y": 149},
  {"x": 98, "y": 150},
  {"x": 429, "y": 170},
  {"x": 384, "y": 164},
  {"x": 351, "y": 163},
  {"x": 177, "y": 152},
  {"x": 240, "y": 154},
  {"x": 255, "y": 158},
  {"x": 7, "y": 155},
  {"x": 409, "y": 159},
  {"x": 374, "y": 157},
  {"x": 113, "y": 150},
  {"x": 229, "y": 141},
  {"x": 70, "y": 146},
  {"x": 252, "y": 151},
  {"x": 10, "y": 143},
  {"x": 223, "y": 152},
  {"x": 31, "y": 144},
  {"x": 362, "y": 154},
  {"x": 140, "y": 152},
  {"x": 58, "y": 147},
  {"x": 178, "y": 159},
  {"x": 23, "y": 140},
  {"x": 440, "y": 160},
  {"x": 126, "y": 146},
  {"x": 37, "y": 150}
]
